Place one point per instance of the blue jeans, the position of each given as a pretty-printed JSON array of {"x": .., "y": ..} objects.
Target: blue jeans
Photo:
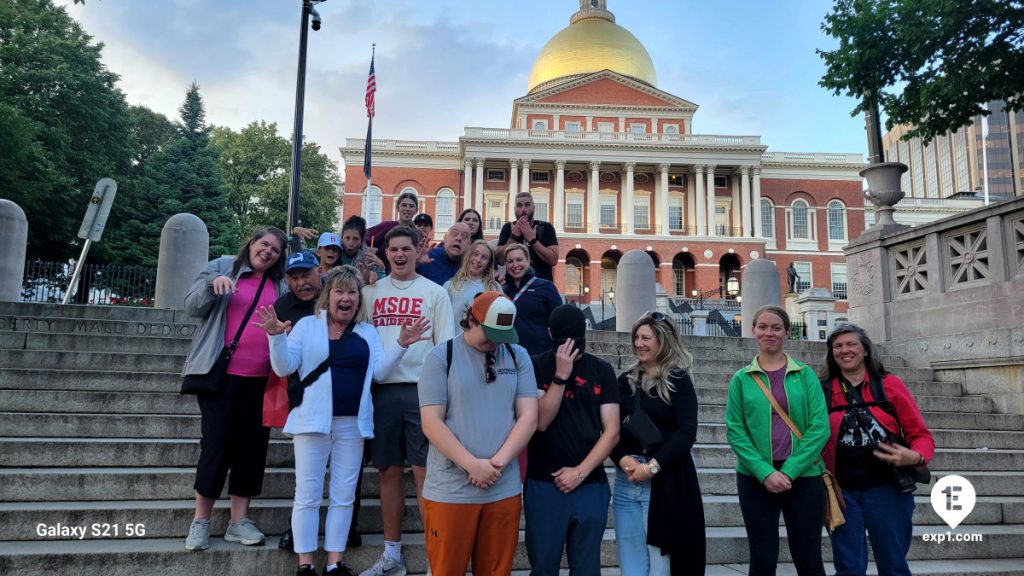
[
  {"x": 574, "y": 521},
  {"x": 631, "y": 503},
  {"x": 887, "y": 516}
]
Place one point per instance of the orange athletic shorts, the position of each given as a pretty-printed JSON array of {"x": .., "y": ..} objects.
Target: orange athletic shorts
[{"x": 487, "y": 534}]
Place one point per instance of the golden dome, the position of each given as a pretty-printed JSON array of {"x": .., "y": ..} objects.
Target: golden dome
[{"x": 588, "y": 45}]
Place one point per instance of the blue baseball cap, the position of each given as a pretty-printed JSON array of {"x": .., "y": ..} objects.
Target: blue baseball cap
[{"x": 301, "y": 261}]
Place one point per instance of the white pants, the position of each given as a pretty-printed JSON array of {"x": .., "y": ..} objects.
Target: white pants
[{"x": 344, "y": 448}]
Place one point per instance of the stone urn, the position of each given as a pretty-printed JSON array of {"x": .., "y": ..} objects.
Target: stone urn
[{"x": 884, "y": 189}]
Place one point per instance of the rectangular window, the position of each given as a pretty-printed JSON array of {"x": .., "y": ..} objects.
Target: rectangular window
[
  {"x": 495, "y": 175},
  {"x": 675, "y": 213},
  {"x": 574, "y": 211},
  {"x": 642, "y": 213},
  {"x": 803, "y": 270},
  {"x": 572, "y": 126},
  {"x": 605, "y": 127},
  {"x": 495, "y": 214},
  {"x": 767, "y": 220},
  {"x": 540, "y": 207},
  {"x": 638, "y": 128},
  {"x": 675, "y": 179},
  {"x": 540, "y": 176},
  {"x": 608, "y": 219},
  {"x": 839, "y": 281},
  {"x": 720, "y": 182}
]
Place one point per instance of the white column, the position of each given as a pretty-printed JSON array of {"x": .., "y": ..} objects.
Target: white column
[
  {"x": 737, "y": 214},
  {"x": 710, "y": 189},
  {"x": 627, "y": 199},
  {"x": 690, "y": 222},
  {"x": 479, "y": 202},
  {"x": 522, "y": 121},
  {"x": 513, "y": 188},
  {"x": 748, "y": 229},
  {"x": 467, "y": 184},
  {"x": 524, "y": 182},
  {"x": 757, "y": 203},
  {"x": 702, "y": 201},
  {"x": 555, "y": 118},
  {"x": 559, "y": 213},
  {"x": 662, "y": 208},
  {"x": 594, "y": 199}
]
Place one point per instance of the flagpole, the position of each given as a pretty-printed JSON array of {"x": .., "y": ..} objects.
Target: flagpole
[
  {"x": 371, "y": 90},
  {"x": 300, "y": 97}
]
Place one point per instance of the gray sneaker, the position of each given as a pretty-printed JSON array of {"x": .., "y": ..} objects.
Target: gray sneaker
[
  {"x": 244, "y": 532},
  {"x": 198, "y": 535},
  {"x": 385, "y": 566}
]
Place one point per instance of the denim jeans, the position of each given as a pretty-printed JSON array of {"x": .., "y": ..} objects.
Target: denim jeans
[
  {"x": 887, "y": 516},
  {"x": 574, "y": 522},
  {"x": 631, "y": 503}
]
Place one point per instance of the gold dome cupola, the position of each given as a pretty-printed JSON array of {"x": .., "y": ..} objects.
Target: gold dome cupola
[{"x": 592, "y": 42}]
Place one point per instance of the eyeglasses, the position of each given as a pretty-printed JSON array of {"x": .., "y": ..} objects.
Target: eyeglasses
[
  {"x": 656, "y": 316},
  {"x": 489, "y": 374}
]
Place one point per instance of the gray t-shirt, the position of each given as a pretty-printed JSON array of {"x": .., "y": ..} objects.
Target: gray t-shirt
[{"x": 480, "y": 415}]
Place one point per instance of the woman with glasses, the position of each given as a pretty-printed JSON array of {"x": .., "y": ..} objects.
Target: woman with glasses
[
  {"x": 535, "y": 299},
  {"x": 777, "y": 471},
  {"x": 659, "y": 514},
  {"x": 873, "y": 451}
]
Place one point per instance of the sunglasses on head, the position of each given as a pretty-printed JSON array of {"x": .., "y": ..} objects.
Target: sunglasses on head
[
  {"x": 656, "y": 316},
  {"x": 489, "y": 374}
]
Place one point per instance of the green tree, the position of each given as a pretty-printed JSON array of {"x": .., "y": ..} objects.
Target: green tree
[
  {"x": 929, "y": 63},
  {"x": 182, "y": 176},
  {"x": 63, "y": 123},
  {"x": 256, "y": 163}
]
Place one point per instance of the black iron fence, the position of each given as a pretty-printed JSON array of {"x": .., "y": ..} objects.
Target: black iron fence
[{"x": 104, "y": 284}]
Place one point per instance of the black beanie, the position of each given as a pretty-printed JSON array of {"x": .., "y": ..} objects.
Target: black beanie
[{"x": 567, "y": 321}]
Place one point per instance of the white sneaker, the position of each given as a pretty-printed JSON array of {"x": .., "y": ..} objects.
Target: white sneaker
[
  {"x": 385, "y": 566},
  {"x": 198, "y": 535},
  {"x": 244, "y": 532}
]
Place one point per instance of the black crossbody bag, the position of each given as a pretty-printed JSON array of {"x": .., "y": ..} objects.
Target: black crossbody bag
[{"x": 210, "y": 383}]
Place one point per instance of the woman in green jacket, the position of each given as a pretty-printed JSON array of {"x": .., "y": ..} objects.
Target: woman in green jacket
[{"x": 776, "y": 471}]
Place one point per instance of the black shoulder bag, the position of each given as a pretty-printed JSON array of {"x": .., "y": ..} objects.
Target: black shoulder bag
[
  {"x": 640, "y": 426},
  {"x": 297, "y": 388},
  {"x": 210, "y": 383}
]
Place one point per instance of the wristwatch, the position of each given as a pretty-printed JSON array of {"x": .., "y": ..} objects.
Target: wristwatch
[
  {"x": 532, "y": 242},
  {"x": 653, "y": 467}
]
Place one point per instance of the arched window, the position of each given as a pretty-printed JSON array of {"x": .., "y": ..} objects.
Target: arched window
[
  {"x": 371, "y": 206},
  {"x": 419, "y": 201},
  {"x": 767, "y": 218},
  {"x": 679, "y": 277},
  {"x": 801, "y": 225},
  {"x": 836, "y": 221},
  {"x": 445, "y": 209}
]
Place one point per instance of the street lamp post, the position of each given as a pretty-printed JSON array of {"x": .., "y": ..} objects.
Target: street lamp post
[
  {"x": 611, "y": 298},
  {"x": 300, "y": 97}
]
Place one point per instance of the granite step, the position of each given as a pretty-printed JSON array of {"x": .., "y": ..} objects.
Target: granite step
[
  {"x": 124, "y": 313},
  {"x": 725, "y": 545},
  {"x": 161, "y": 483},
  {"x": 92, "y": 343},
  {"x": 92, "y": 360},
  {"x": 29, "y": 452},
  {"x": 170, "y": 518}
]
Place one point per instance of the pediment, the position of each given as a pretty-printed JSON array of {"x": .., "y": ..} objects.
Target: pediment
[{"x": 606, "y": 88}]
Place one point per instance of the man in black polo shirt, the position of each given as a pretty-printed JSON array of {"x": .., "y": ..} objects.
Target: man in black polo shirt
[
  {"x": 566, "y": 493},
  {"x": 538, "y": 235}
]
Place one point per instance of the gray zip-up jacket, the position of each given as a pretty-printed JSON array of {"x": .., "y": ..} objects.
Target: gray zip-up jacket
[{"x": 202, "y": 303}]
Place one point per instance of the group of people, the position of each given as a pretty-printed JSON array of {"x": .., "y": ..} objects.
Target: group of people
[{"x": 481, "y": 383}]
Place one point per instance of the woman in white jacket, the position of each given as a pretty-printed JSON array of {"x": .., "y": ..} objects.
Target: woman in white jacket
[{"x": 335, "y": 414}]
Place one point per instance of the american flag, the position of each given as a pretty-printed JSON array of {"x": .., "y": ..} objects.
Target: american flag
[{"x": 371, "y": 88}]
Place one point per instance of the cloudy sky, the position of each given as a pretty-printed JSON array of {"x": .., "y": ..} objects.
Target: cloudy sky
[{"x": 443, "y": 65}]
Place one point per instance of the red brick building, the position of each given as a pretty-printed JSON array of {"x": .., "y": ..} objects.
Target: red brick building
[{"x": 614, "y": 164}]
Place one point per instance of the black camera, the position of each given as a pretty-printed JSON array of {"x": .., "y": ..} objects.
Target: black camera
[{"x": 906, "y": 481}]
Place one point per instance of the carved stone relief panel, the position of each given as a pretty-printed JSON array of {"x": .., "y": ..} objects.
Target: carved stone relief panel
[
  {"x": 1017, "y": 239},
  {"x": 863, "y": 273},
  {"x": 910, "y": 268},
  {"x": 967, "y": 256}
]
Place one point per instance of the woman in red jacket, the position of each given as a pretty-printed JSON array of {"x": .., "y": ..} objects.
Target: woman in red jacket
[{"x": 877, "y": 439}]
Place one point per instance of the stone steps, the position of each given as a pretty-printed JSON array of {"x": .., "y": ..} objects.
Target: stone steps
[
  {"x": 156, "y": 483},
  {"x": 725, "y": 545},
  {"x": 170, "y": 518},
  {"x": 20, "y": 310},
  {"x": 136, "y": 402},
  {"x": 27, "y": 452},
  {"x": 88, "y": 343}
]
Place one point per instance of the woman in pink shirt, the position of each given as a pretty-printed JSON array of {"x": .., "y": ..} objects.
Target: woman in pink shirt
[{"x": 234, "y": 439}]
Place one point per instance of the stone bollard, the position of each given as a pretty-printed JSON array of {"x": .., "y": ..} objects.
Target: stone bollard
[
  {"x": 13, "y": 242},
  {"x": 700, "y": 322},
  {"x": 760, "y": 288},
  {"x": 184, "y": 252},
  {"x": 634, "y": 289}
]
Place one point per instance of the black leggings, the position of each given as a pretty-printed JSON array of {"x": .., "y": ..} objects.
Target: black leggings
[
  {"x": 803, "y": 508},
  {"x": 234, "y": 438}
]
